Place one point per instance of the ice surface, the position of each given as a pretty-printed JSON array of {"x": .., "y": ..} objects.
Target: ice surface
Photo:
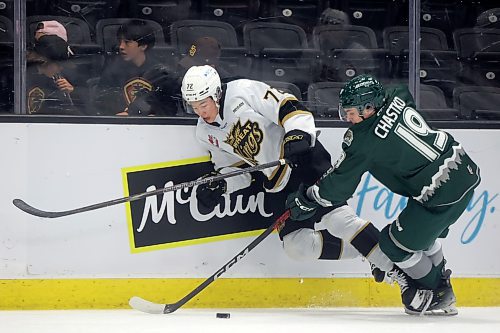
[{"x": 336, "y": 320}]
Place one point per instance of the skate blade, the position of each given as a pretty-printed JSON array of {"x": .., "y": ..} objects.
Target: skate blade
[{"x": 446, "y": 312}]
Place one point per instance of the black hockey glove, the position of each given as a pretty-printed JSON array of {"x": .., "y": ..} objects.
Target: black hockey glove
[
  {"x": 210, "y": 194},
  {"x": 296, "y": 145},
  {"x": 300, "y": 206}
]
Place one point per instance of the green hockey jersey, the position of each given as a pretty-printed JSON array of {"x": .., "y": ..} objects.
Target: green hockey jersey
[{"x": 404, "y": 153}]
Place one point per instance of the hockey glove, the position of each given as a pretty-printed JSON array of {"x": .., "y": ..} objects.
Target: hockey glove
[
  {"x": 296, "y": 144},
  {"x": 300, "y": 206},
  {"x": 210, "y": 194}
]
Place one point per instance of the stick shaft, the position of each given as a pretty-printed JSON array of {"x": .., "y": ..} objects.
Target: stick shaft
[
  {"x": 155, "y": 308},
  {"x": 52, "y": 214}
]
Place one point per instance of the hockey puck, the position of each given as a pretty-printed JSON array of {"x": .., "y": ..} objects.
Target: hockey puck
[{"x": 223, "y": 315}]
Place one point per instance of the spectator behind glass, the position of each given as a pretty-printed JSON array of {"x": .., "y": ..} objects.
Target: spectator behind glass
[
  {"x": 134, "y": 74},
  {"x": 52, "y": 28},
  {"x": 332, "y": 16},
  {"x": 48, "y": 91},
  {"x": 203, "y": 51}
]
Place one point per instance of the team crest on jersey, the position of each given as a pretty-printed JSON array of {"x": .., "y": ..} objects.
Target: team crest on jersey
[
  {"x": 348, "y": 136},
  {"x": 134, "y": 86},
  {"x": 35, "y": 100},
  {"x": 245, "y": 139},
  {"x": 213, "y": 140}
]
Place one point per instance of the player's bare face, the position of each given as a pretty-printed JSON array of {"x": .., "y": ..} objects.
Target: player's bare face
[
  {"x": 352, "y": 115},
  {"x": 206, "y": 109}
]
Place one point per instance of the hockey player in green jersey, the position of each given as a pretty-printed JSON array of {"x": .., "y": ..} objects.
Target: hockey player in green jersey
[{"x": 392, "y": 141}]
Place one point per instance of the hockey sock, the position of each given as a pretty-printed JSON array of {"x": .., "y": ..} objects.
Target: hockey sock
[
  {"x": 343, "y": 222},
  {"x": 435, "y": 253},
  {"x": 332, "y": 246},
  {"x": 366, "y": 242},
  {"x": 433, "y": 278}
]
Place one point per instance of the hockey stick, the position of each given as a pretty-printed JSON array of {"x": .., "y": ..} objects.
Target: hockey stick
[
  {"x": 143, "y": 305},
  {"x": 48, "y": 214}
]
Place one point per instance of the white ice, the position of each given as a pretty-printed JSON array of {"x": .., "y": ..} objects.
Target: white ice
[{"x": 335, "y": 320}]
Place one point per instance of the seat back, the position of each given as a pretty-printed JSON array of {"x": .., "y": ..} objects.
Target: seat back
[
  {"x": 396, "y": 39},
  {"x": 6, "y": 29},
  {"x": 323, "y": 98},
  {"x": 303, "y": 13},
  {"x": 235, "y": 12},
  {"x": 286, "y": 87},
  {"x": 261, "y": 35},
  {"x": 471, "y": 40},
  {"x": 329, "y": 37},
  {"x": 375, "y": 14},
  {"x": 347, "y": 51},
  {"x": 432, "y": 97},
  {"x": 475, "y": 102},
  {"x": 89, "y": 11},
  {"x": 163, "y": 12},
  {"x": 183, "y": 33}
]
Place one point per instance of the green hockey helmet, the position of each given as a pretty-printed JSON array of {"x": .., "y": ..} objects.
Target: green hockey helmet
[{"x": 361, "y": 92}]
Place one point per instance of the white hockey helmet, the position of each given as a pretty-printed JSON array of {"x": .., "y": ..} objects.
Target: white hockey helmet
[{"x": 201, "y": 82}]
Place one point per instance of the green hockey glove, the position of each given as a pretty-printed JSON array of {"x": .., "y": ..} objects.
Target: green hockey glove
[{"x": 300, "y": 206}]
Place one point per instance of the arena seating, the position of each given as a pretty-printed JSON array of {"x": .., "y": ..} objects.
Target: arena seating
[{"x": 478, "y": 103}]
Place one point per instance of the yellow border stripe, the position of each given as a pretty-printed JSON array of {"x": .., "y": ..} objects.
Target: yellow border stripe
[
  {"x": 133, "y": 249},
  {"x": 34, "y": 294}
]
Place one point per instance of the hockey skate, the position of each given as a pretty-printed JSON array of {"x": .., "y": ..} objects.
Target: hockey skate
[
  {"x": 443, "y": 301},
  {"x": 415, "y": 301}
]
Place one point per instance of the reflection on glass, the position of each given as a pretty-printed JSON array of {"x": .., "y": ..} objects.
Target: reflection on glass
[{"x": 316, "y": 46}]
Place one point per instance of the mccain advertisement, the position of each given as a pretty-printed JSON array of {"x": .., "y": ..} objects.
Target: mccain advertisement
[{"x": 176, "y": 219}]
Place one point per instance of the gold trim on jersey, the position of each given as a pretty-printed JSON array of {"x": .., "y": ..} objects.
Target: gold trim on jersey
[
  {"x": 292, "y": 114},
  {"x": 272, "y": 183},
  {"x": 276, "y": 177},
  {"x": 287, "y": 100},
  {"x": 291, "y": 110}
]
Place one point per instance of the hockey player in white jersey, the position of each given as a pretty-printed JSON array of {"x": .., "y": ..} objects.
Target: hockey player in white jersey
[{"x": 247, "y": 122}]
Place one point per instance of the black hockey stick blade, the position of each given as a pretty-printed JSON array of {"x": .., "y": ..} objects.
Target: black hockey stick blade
[
  {"x": 146, "y": 306},
  {"x": 22, "y": 205},
  {"x": 34, "y": 211}
]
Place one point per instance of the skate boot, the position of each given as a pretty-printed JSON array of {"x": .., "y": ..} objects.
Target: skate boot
[
  {"x": 443, "y": 301},
  {"x": 415, "y": 301}
]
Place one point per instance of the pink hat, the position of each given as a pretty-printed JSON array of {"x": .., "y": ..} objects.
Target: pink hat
[{"x": 52, "y": 28}]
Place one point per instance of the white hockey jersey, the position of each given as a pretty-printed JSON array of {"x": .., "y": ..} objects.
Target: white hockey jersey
[{"x": 249, "y": 129}]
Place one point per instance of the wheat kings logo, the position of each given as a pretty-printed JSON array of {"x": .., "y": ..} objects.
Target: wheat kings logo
[{"x": 245, "y": 139}]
